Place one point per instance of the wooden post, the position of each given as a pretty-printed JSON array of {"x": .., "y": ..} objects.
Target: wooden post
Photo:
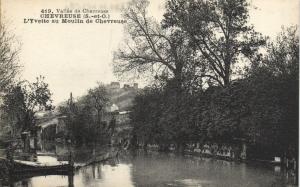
[
  {"x": 71, "y": 161},
  {"x": 10, "y": 159},
  {"x": 71, "y": 170},
  {"x": 71, "y": 179}
]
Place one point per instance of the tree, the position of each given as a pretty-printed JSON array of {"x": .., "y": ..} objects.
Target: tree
[
  {"x": 168, "y": 56},
  {"x": 146, "y": 116},
  {"x": 23, "y": 100},
  {"x": 9, "y": 66},
  {"x": 77, "y": 119},
  {"x": 97, "y": 98},
  {"x": 84, "y": 116},
  {"x": 13, "y": 110},
  {"x": 37, "y": 97},
  {"x": 281, "y": 65},
  {"x": 150, "y": 48},
  {"x": 261, "y": 108},
  {"x": 283, "y": 54},
  {"x": 159, "y": 117},
  {"x": 219, "y": 31}
]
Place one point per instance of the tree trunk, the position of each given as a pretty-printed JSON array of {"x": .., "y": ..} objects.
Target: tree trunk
[
  {"x": 178, "y": 78},
  {"x": 226, "y": 78}
]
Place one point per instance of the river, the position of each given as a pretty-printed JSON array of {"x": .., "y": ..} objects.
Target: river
[{"x": 161, "y": 169}]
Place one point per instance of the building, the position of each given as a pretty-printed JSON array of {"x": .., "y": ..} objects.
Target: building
[
  {"x": 50, "y": 126},
  {"x": 114, "y": 85}
]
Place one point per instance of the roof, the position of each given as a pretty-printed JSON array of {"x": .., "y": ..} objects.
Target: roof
[{"x": 48, "y": 123}]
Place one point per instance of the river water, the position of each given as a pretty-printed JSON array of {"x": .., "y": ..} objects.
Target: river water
[{"x": 161, "y": 169}]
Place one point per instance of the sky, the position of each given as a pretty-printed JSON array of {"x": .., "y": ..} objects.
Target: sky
[{"x": 73, "y": 57}]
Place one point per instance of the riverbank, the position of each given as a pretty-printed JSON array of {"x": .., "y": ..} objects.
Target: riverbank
[
  {"x": 227, "y": 157},
  {"x": 228, "y": 153}
]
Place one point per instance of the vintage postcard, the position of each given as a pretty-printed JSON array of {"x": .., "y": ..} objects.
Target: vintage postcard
[{"x": 130, "y": 93}]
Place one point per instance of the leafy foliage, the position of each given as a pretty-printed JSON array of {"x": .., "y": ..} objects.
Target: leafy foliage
[
  {"x": 219, "y": 31},
  {"x": 84, "y": 117},
  {"x": 260, "y": 109},
  {"x": 22, "y": 101},
  {"x": 149, "y": 48}
]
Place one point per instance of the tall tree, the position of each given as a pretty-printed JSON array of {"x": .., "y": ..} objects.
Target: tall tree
[
  {"x": 219, "y": 31},
  {"x": 282, "y": 60},
  {"x": 150, "y": 48},
  {"x": 8, "y": 58}
]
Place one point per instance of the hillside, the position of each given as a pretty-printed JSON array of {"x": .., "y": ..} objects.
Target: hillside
[{"x": 122, "y": 97}]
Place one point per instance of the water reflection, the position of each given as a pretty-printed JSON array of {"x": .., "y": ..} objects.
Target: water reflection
[
  {"x": 96, "y": 175},
  {"x": 156, "y": 169},
  {"x": 105, "y": 175}
]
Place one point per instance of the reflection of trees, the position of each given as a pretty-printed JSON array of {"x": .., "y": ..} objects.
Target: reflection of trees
[
  {"x": 86, "y": 176},
  {"x": 71, "y": 179},
  {"x": 91, "y": 173},
  {"x": 99, "y": 176}
]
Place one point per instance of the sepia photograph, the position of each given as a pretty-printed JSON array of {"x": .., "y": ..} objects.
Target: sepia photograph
[{"x": 149, "y": 93}]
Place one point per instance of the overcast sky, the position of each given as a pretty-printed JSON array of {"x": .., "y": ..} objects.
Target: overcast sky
[{"x": 73, "y": 57}]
